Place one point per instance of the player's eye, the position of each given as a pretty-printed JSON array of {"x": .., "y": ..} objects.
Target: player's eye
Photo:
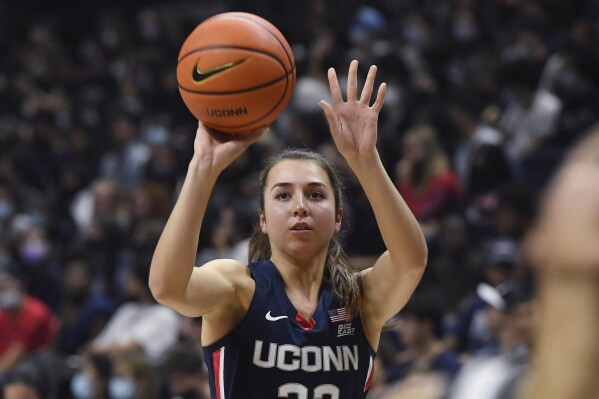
[
  {"x": 282, "y": 195},
  {"x": 316, "y": 195}
]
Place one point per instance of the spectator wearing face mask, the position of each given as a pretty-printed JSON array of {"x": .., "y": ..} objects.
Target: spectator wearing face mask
[
  {"x": 26, "y": 381},
  {"x": 27, "y": 325},
  {"x": 92, "y": 378},
  {"x": 35, "y": 255},
  {"x": 184, "y": 370},
  {"x": 133, "y": 377}
]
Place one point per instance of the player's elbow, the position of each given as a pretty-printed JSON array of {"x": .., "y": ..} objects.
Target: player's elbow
[
  {"x": 412, "y": 261},
  {"x": 422, "y": 258},
  {"x": 159, "y": 289},
  {"x": 419, "y": 256}
]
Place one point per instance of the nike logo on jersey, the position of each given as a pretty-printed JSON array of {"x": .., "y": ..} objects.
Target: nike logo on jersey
[
  {"x": 199, "y": 76},
  {"x": 274, "y": 318}
]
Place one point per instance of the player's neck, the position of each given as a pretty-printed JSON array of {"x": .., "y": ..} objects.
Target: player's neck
[{"x": 303, "y": 278}]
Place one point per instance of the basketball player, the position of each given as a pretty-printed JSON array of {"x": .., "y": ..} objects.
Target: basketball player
[
  {"x": 565, "y": 247},
  {"x": 297, "y": 322}
]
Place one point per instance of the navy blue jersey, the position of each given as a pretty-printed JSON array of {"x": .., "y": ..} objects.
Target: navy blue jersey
[{"x": 275, "y": 353}]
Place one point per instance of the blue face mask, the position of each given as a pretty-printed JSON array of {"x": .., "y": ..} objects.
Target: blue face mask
[
  {"x": 10, "y": 299},
  {"x": 121, "y": 388},
  {"x": 6, "y": 210},
  {"x": 81, "y": 387}
]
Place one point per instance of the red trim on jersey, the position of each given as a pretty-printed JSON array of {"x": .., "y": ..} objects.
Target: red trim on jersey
[
  {"x": 305, "y": 324},
  {"x": 217, "y": 371},
  {"x": 370, "y": 376}
]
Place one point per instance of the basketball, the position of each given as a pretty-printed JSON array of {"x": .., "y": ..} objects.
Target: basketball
[{"x": 236, "y": 72}]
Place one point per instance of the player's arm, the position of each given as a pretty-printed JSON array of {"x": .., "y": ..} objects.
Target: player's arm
[
  {"x": 564, "y": 247},
  {"x": 353, "y": 124},
  {"x": 174, "y": 281},
  {"x": 389, "y": 284}
]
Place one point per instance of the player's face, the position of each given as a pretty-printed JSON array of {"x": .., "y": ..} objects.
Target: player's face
[{"x": 299, "y": 208}]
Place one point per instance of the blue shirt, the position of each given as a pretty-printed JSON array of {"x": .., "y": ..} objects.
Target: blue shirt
[{"x": 275, "y": 353}]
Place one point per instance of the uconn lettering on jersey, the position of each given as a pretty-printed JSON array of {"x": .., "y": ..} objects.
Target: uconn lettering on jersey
[{"x": 289, "y": 357}]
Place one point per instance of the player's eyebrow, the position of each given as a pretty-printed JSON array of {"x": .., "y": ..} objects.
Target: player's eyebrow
[{"x": 288, "y": 184}]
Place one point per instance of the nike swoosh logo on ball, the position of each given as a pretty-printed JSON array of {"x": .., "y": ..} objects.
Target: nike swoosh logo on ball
[
  {"x": 274, "y": 318},
  {"x": 199, "y": 76}
]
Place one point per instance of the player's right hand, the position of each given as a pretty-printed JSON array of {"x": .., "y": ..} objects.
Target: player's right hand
[{"x": 218, "y": 150}]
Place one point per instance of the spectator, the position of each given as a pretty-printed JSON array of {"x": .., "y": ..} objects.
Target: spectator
[
  {"x": 133, "y": 377},
  {"x": 457, "y": 254},
  {"x": 185, "y": 373},
  {"x": 101, "y": 218},
  {"x": 229, "y": 238},
  {"x": 26, "y": 380},
  {"x": 27, "y": 325},
  {"x": 424, "y": 177},
  {"x": 35, "y": 257},
  {"x": 473, "y": 329},
  {"x": 84, "y": 311},
  {"x": 129, "y": 157},
  {"x": 150, "y": 207},
  {"x": 497, "y": 369},
  {"x": 515, "y": 211},
  {"x": 421, "y": 330},
  {"x": 140, "y": 323},
  {"x": 92, "y": 378}
]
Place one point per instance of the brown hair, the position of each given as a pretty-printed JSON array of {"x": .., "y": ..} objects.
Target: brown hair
[
  {"x": 436, "y": 160},
  {"x": 342, "y": 276}
]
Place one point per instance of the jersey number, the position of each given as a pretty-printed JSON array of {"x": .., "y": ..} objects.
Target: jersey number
[{"x": 325, "y": 391}]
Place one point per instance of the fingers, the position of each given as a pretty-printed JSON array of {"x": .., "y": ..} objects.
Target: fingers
[
  {"x": 329, "y": 113},
  {"x": 380, "y": 97},
  {"x": 352, "y": 81},
  {"x": 352, "y": 87},
  {"x": 334, "y": 86},
  {"x": 368, "y": 86}
]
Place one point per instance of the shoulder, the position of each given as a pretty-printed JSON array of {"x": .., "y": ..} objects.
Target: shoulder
[
  {"x": 35, "y": 308},
  {"x": 232, "y": 270},
  {"x": 226, "y": 266}
]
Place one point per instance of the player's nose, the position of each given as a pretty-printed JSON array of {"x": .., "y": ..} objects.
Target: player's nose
[{"x": 300, "y": 208}]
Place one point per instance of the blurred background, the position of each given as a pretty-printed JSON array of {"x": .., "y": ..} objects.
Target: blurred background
[{"x": 484, "y": 99}]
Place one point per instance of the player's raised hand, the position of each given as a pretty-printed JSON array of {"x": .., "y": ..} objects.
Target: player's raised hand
[
  {"x": 218, "y": 150},
  {"x": 353, "y": 123}
]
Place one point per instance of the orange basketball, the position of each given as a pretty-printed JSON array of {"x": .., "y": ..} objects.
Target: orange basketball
[{"x": 236, "y": 72}]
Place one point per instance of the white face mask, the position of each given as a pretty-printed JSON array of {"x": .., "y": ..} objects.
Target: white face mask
[
  {"x": 81, "y": 387},
  {"x": 10, "y": 298},
  {"x": 121, "y": 388}
]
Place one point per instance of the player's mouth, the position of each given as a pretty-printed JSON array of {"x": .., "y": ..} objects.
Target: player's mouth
[{"x": 301, "y": 227}]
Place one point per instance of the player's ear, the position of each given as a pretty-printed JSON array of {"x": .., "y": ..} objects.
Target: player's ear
[
  {"x": 338, "y": 219},
  {"x": 263, "y": 223}
]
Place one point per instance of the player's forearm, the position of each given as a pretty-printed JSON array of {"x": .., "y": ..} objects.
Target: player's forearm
[
  {"x": 398, "y": 226},
  {"x": 175, "y": 255},
  {"x": 568, "y": 346}
]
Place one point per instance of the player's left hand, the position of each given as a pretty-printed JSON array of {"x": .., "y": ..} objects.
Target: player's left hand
[{"x": 353, "y": 123}]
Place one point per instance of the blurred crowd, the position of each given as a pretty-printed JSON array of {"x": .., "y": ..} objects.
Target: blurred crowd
[{"x": 484, "y": 98}]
